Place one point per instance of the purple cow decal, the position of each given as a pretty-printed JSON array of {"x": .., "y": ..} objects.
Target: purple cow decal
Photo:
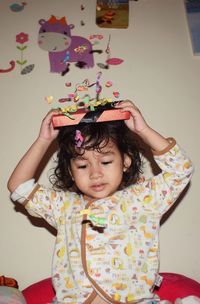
[{"x": 55, "y": 37}]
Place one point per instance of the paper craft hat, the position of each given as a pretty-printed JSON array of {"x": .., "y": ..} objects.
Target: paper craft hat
[
  {"x": 87, "y": 109},
  {"x": 99, "y": 113}
]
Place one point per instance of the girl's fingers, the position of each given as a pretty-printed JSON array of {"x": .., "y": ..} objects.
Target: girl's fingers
[
  {"x": 48, "y": 118},
  {"x": 127, "y": 104},
  {"x": 132, "y": 109},
  {"x": 53, "y": 112}
]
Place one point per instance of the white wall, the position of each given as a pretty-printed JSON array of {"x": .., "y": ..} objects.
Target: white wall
[{"x": 160, "y": 73}]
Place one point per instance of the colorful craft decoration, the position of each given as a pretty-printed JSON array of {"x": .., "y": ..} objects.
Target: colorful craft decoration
[
  {"x": 109, "y": 60},
  {"x": 98, "y": 86},
  {"x": 49, "y": 99},
  {"x": 85, "y": 109},
  {"x": 116, "y": 94},
  {"x": 108, "y": 51},
  {"x": 109, "y": 84},
  {"x": 55, "y": 37},
  {"x": 103, "y": 111},
  {"x": 79, "y": 139}
]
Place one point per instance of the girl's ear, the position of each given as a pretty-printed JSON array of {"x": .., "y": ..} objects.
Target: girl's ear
[{"x": 127, "y": 162}]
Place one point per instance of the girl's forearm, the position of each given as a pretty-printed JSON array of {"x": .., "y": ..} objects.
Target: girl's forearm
[
  {"x": 153, "y": 139},
  {"x": 29, "y": 163}
]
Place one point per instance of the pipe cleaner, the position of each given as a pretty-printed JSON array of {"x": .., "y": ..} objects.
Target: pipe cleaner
[{"x": 79, "y": 139}]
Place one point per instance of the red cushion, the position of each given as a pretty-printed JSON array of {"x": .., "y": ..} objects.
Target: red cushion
[
  {"x": 41, "y": 292},
  {"x": 173, "y": 286},
  {"x": 177, "y": 286}
]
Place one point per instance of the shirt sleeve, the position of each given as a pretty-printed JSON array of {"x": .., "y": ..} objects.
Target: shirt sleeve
[
  {"x": 40, "y": 201},
  {"x": 22, "y": 192},
  {"x": 47, "y": 203},
  {"x": 158, "y": 193}
]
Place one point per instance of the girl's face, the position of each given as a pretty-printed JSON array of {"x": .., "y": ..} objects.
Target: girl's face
[{"x": 99, "y": 174}]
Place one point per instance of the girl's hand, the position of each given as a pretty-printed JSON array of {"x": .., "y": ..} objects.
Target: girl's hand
[
  {"x": 136, "y": 122},
  {"x": 47, "y": 131}
]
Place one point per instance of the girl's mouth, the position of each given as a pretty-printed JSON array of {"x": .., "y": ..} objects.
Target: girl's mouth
[{"x": 98, "y": 187}]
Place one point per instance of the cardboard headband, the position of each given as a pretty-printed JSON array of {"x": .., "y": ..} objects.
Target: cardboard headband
[{"x": 100, "y": 111}]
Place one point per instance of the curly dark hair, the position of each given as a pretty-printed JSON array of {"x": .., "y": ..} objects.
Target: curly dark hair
[{"x": 97, "y": 136}]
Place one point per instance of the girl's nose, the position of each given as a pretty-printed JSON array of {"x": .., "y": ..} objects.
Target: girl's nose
[{"x": 95, "y": 172}]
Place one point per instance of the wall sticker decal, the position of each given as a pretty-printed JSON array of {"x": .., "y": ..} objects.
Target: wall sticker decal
[
  {"x": 16, "y": 7},
  {"x": 12, "y": 66},
  {"x": 21, "y": 39},
  {"x": 55, "y": 37}
]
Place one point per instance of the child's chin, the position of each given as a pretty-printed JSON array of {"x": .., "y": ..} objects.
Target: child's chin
[{"x": 95, "y": 196}]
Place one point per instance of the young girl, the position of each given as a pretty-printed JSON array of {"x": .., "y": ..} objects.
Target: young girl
[{"x": 107, "y": 247}]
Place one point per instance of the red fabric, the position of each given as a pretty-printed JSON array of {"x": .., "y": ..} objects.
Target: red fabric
[
  {"x": 177, "y": 286},
  {"x": 173, "y": 286},
  {"x": 39, "y": 293}
]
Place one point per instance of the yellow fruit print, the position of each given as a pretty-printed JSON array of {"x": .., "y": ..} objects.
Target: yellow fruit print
[
  {"x": 187, "y": 165},
  {"x": 153, "y": 184},
  {"x": 130, "y": 297},
  {"x": 68, "y": 284},
  {"x": 128, "y": 249},
  {"x": 61, "y": 252},
  {"x": 123, "y": 207},
  {"x": 114, "y": 219},
  {"x": 59, "y": 240},
  {"x": 65, "y": 206},
  {"x": 72, "y": 298},
  {"x": 148, "y": 281},
  {"x": 177, "y": 182},
  {"x": 61, "y": 220},
  {"x": 117, "y": 263},
  {"x": 147, "y": 235},
  {"x": 143, "y": 219},
  {"x": 117, "y": 297},
  {"x": 153, "y": 250},
  {"x": 166, "y": 175},
  {"x": 119, "y": 286},
  {"x": 53, "y": 195},
  {"x": 144, "y": 268},
  {"x": 89, "y": 269},
  {"x": 74, "y": 254},
  {"x": 148, "y": 199}
]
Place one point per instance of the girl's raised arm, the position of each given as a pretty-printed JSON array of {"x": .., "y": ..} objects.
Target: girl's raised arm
[
  {"x": 29, "y": 163},
  {"x": 137, "y": 124}
]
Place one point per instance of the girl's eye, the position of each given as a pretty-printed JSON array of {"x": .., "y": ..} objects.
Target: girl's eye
[
  {"x": 107, "y": 162},
  {"x": 81, "y": 167}
]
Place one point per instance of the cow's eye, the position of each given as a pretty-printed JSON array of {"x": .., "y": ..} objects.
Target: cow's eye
[{"x": 65, "y": 33}]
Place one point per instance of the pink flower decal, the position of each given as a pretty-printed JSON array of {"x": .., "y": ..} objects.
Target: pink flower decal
[{"x": 22, "y": 38}]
